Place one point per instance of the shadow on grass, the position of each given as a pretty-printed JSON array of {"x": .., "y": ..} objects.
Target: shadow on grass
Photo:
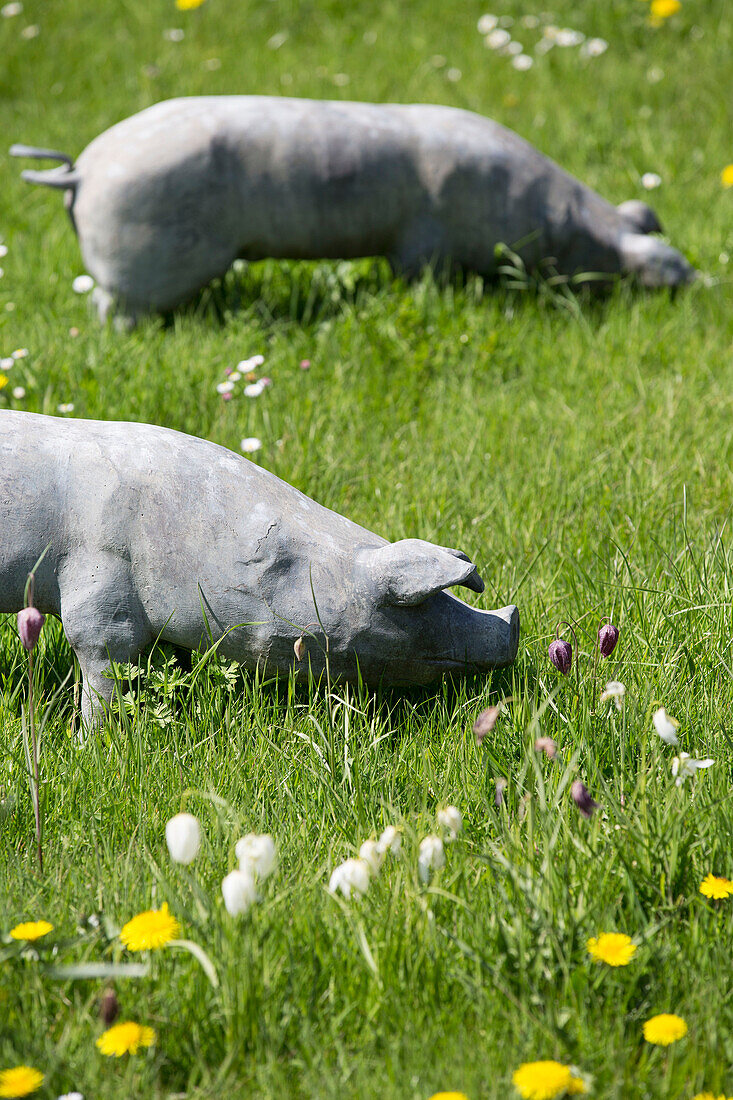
[
  {"x": 165, "y": 678},
  {"x": 297, "y": 292},
  {"x": 312, "y": 292}
]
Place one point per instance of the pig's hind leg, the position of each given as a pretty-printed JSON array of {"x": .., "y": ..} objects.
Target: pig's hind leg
[{"x": 104, "y": 620}]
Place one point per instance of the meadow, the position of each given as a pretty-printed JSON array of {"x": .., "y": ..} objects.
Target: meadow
[{"x": 577, "y": 447}]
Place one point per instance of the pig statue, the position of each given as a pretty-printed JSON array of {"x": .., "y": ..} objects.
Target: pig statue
[
  {"x": 167, "y": 199},
  {"x": 154, "y": 534}
]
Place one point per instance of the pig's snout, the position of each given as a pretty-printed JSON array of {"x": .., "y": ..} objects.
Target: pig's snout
[
  {"x": 474, "y": 640},
  {"x": 496, "y": 638}
]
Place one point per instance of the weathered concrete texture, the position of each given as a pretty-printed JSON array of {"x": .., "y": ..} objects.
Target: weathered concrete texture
[
  {"x": 155, "y": 534},
  {"x": 166, "y": 200}
]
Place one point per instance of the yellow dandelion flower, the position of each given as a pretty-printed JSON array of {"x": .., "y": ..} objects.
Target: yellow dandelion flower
[
  {"x": 125, "y": 1038},
  {"x": 149, "y": 930},
  {"x": 449, "y": 1096},
  {"x": 188, "y": 5},
  {"x": 3, "y": 381},
  {"x": 726, "y": 176},
  {"x": 19, "y": 1081},
  {"x": 546, "y": 1080},
  {"x": 664, "y": 1029},
  {"x": 714, "y": 887},
  {"x": 613, "y": 948},
  {"x": 708, "y": 1096},
  {"x": 662, "y": 9},
  {"x": 31, "y": 930}
]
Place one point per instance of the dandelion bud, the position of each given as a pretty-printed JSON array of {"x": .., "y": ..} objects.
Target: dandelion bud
[
  {"x": 30, "y": 621},
  {"x": 451, "y": 819},
  {"x": 239, "y": 892},
  {"x": 256, "y": 854},
  {"x": 431, "y": 857},
  {"x": 561, "y": 655},
  {"x": 183, "y": 837},
  {"x": 607, "y": 639},
  {"x": 582, "y": 799},
  {"x": 109, "y": 1008},
  {"x": 547, "y": 746},
  {"x": 500, "y": 786}
]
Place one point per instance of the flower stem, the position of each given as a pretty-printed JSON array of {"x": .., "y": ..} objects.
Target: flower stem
[
  {"x": 34, "y": 753},
  {"x": 32, "y": 721}
]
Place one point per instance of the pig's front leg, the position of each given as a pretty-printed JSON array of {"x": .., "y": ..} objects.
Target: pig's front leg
[
  {"x": 109, "y": 307},
  {"x": 104, "y": 620}
]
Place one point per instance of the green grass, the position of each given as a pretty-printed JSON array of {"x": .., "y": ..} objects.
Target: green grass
[{"x": 582, "y": 457}]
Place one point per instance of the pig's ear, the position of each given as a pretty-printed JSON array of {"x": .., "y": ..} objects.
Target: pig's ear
[{"x": 409, "y": 571}]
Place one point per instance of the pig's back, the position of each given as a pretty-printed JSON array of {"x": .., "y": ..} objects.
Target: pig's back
[{"x": 174, "y": 506}]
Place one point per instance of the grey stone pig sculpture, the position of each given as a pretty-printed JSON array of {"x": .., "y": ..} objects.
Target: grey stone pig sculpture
[
  {"x": 166, "y": 200},
  {"x": 154, "y": 534}
]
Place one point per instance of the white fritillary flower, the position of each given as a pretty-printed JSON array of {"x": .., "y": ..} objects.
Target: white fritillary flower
[
  {"x": 685, "y": 766},
  {"x": 183, "y": 837},
  {"x": 390, "y": 841},
  {"x": 239, "y": 892},
  {"x": 431, "y": 857},
  {"x": 257, "y": 852},
  {"x": 665, "y": 726},
  {"x": 450, "y": 818},
  {"x": 351, "y": 876},
  {"x": 371, "y": 853}
]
